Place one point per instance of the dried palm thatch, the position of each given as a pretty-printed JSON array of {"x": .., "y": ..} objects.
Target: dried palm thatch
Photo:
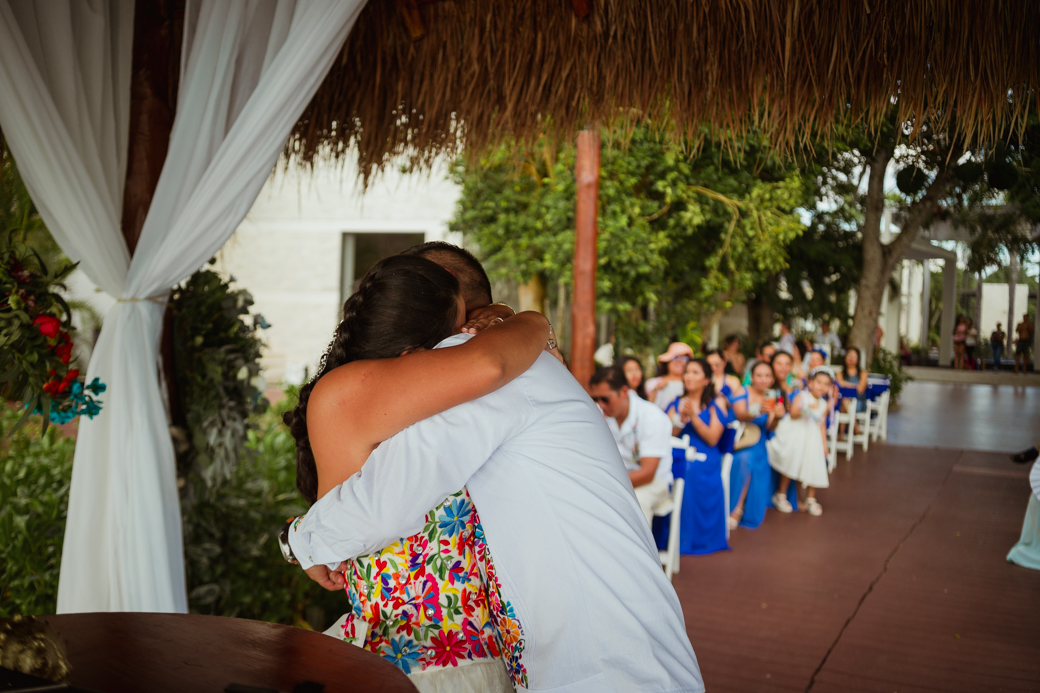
[{"x": 790, "y": 68}]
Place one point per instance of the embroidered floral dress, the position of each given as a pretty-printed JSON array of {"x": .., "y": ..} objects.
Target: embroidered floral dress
[{"x": 432, "y": 599}]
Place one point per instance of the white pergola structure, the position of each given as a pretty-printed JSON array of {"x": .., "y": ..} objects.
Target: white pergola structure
[
  {"x": 247, "y": 71},
  {"x": 927, "y": 252}
]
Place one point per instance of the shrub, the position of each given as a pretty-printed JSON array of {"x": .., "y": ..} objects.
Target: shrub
[
  {"x": 232, "y": 560},
  {"x": 887, "y": 363},
  {"x": 34, "y": 488}
]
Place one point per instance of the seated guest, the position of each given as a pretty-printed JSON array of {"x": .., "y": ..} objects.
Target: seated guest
[
  {"x": 751, "y": 479},
  {"x": 853, "y": 376},
  {"x": 643, "y": 435},
  {"x": 663, "y": 389},
  {"x": 633, "y": 374},
  {"x": 734, "y": 359},
  {"x": 764, "y": 353},
  {"x": 814, "y": 359},
  {"x": 703, "y": 519},
  {"x": 828, "y": 339}
]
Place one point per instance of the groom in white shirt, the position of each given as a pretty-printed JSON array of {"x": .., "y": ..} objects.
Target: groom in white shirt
[{"x": 573, "y": 553}]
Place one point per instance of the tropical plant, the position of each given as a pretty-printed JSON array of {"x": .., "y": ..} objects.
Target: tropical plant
[
  {"x": 232, "y": 561},
  {"x": 35, "y": 470},
  {"x": 217, "y": 369},
  {"x": 683, "y": 233},
  {"x": 887, "y": 363}
]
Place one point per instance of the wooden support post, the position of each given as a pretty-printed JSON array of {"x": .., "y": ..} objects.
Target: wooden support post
[
  {"x": 583, "y": 335},
  {"x": 154, "y": 79}
]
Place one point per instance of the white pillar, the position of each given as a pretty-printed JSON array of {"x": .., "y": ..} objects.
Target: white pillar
[
  {"x": 926, "y": 295},
  {"x": 1012, "y": 275},
  {"x": 949, "y": 311}
]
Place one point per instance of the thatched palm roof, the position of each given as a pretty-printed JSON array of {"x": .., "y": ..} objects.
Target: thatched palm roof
[{"x": 489, "y": 67}]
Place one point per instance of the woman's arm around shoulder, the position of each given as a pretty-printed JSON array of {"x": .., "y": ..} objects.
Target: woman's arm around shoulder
[{"x": 357, "y": 406}]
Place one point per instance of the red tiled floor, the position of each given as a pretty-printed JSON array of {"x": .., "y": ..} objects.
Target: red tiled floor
[{"x": 881, "y": 593}]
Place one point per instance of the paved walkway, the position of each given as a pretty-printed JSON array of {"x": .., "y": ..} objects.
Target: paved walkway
[
  {"x": 902, "y": 585},
  {"x": 970, "y": 417},
  {"x": 989, "y": 377}
]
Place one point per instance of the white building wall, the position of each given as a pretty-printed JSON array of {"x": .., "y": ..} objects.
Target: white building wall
[
  {"x": 995, "y": 307},
  {"x": 288, "y": 250}
]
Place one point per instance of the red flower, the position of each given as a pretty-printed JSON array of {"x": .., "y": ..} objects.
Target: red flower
[
  {"x": 63, "y": 349},
  {"x": 448, "y": 648},
  {"x": 48, "y": 325}
]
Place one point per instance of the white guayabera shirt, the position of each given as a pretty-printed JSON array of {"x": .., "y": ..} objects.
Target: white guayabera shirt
[{"x": 572, "y": 551}]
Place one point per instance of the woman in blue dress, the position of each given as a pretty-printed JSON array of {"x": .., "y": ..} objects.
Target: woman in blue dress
[
  {"x": 751, "y": 478},
  {"x": 736, "y": 398},
  {"x": 703, "y": 519}
]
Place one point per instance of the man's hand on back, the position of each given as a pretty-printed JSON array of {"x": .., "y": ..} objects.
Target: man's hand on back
[
  {"x": 481, "y": 318},
  {"x": 331, "y": 580}
]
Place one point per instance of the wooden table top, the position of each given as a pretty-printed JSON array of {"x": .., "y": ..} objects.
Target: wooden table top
[{"x": 116, "y": 652}]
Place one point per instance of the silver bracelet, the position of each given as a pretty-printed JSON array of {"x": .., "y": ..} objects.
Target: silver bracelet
[
  {"x": 506, "y": 305},
  {"x": 283, "y": 542},
  {"x": 552, "y": 339}
]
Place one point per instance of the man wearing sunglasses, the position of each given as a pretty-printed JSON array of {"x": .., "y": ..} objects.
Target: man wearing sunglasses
[{"x": 643, "y": 434}]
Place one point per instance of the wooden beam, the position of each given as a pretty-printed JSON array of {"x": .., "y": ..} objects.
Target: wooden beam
[
  {"x": 583, "y": 338},
  {"x": 154, "y": 78}
]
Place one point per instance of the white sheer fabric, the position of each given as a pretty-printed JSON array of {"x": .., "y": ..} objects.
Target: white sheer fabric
[{"x": 249, "y": 68}]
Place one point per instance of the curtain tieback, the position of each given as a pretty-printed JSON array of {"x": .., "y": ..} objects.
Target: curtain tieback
[{"x": 157, "y": 299}]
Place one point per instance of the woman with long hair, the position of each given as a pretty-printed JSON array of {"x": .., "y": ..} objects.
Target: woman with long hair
[
  {"x": 703, "y": 522},
  {"x": 751, "y": 481},
  {"x": 633, "y": 370},
  {"x": 853, "y": 376},
  {"x": 379, "y": 375}
]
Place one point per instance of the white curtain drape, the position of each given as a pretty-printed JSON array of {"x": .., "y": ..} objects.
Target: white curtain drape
[{"x": 249, "y": 67}]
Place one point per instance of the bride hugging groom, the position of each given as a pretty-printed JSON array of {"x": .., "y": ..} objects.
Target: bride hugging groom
[{"x": 469, "y": 497}]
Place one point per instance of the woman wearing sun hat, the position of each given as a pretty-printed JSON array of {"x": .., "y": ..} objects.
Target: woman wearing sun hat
[{"x": 663, "y": 389}]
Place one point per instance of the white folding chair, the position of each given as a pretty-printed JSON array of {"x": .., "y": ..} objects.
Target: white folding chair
[
  {"x": 846, "y": 419},
  {"x": 670, "y": 556},
  {"x": 832, "y": 438},
  {"x": 863, "y": 419},
  {"x": 879, "y": 421},
  {"x": 727, "y": 466}
]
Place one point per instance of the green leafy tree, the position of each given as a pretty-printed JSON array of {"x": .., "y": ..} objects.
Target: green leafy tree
[{"x": 682, "y": 233}]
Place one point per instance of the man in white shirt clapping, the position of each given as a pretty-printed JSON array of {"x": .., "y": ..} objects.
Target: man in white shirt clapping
[{"x": 643, "y": 434}]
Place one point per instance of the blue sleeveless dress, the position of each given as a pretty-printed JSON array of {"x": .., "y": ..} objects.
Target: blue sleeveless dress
[
  {"x": 751, "y": 467},
  {"x": 729, "y": 436},
  {"x": 703, "y": 523}
]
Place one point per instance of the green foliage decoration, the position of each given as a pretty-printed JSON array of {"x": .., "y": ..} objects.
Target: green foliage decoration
[
  {"x": 887, "y": 363},
  {"x": 35, "y": 471},
  {"x": 232, "y": 560},
  {"x": 217, "y": 365},
  {"x": 682, "y": 233}
]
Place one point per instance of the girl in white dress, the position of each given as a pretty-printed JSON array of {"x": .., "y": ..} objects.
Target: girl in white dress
[{"x": 801, "y": 453}]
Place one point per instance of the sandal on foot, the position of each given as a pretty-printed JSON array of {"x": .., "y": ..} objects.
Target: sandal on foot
[
  {"x": 813, "y": 507},
  {"x": 781, "y": 503},
  {"x": 734, "y": 518}
]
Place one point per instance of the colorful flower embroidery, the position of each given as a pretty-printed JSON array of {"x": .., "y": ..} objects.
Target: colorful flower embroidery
[{"x": 432, "y": 599}]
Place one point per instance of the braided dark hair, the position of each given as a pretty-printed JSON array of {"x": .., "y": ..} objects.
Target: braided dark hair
[{"x": 403, "y": 303}]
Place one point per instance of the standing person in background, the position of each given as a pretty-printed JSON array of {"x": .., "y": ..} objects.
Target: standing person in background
[
  {"x": 633, "y": 370},
  {"x": 750, "y": 480},
  {"x": 787, "y": 340},
  {"x": 643, "y": 434},
  {"x": 971, "y": 340},
  {"x": 960, "y": 332},
  {"x": 764, "y": 354},
  {"x": 668, "y": 385},
  {"x": 787, "y": 385},
  {"x": 801, "y": 455},
  {"x": 829, "y": 339},
  {"x": 997, "y": 339},
  {"x": 703, "y": 519},
  {"x": 734, "y": 359},
  {"x": 1024, "y": 332}
]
